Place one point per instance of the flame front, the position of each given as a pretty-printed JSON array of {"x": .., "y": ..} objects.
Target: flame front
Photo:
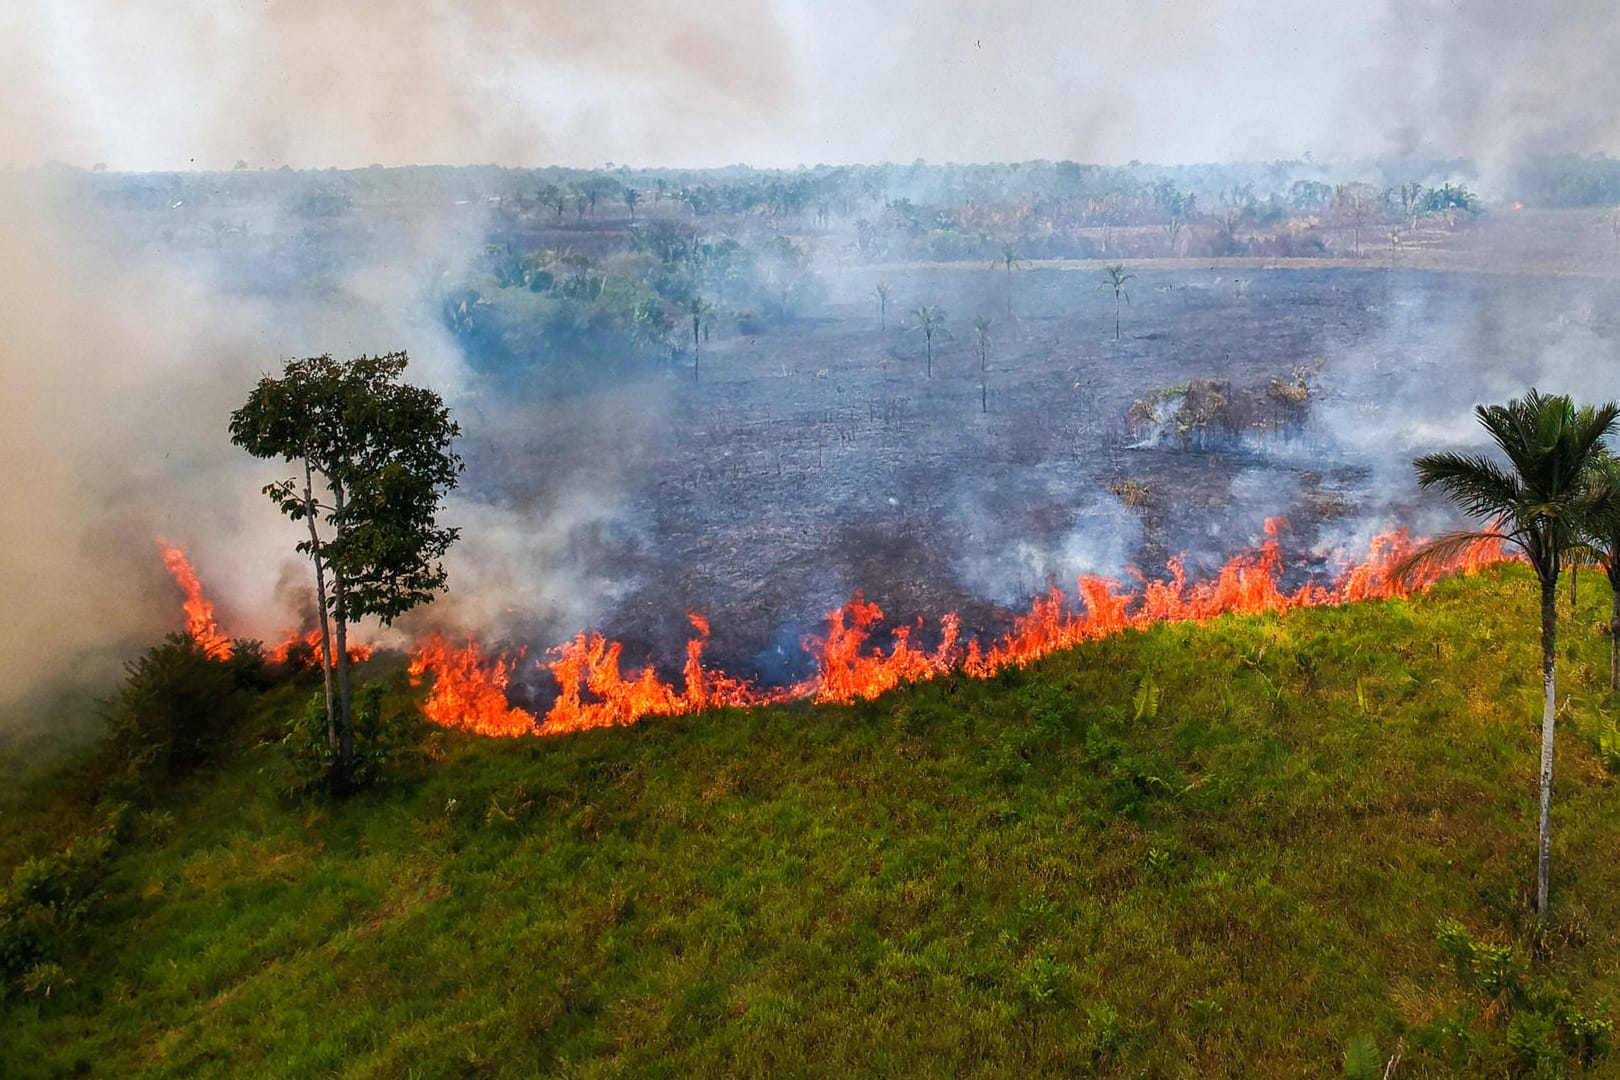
[{"x": 470, "y": 691}]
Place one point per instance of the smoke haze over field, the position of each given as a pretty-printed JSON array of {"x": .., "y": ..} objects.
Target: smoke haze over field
[{"x": 143, "y": 85}]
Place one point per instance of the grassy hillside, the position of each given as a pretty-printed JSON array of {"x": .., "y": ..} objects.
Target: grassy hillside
[{"x": 1259, "y": 847}]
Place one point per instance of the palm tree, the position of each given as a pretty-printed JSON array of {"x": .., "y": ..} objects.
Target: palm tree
[
  {"x": 631, "y": 197},
  {"x": 882, "y": 292},
  {"x": 930, "y": 321},
  {"x": 981, "y": 341},
  {"x": 1537, "y": 503},
  {"x": 1115, "y": 278},
  {"x": 697, "y": 307},
  {"x": 1011, "y": 258}
]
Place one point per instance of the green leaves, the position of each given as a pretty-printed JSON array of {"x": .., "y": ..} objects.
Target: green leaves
[
  {"x": 1538, "y": 500},
  {"x": 380, "y": 447}
]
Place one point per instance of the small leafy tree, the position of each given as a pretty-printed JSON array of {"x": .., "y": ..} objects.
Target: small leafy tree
[
  {"x": 376, "y": 462},
  {"x": 631, "y": 197},
  {"x": 1538, "y": 503},
  {"x": 930, "y": 323},
  {"x": 1114, "y": 279}
]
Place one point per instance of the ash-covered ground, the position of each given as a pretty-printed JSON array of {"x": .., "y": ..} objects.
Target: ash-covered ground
[{"x": 817, "y": 458}]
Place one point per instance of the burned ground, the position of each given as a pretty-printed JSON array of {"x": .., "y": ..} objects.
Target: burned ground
[{"x": 816, "y": 458}]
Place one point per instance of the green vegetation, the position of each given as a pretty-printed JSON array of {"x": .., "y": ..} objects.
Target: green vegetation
[{"x": 1262, "y": 846}]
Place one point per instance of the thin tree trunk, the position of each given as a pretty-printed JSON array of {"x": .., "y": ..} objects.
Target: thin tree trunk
[
  {"x": 1574, "y": 584},
  {"x": 1614, "y": 632},
  {"x": 930, "y": 358},
  {"x": 345, "y": 762},
  {"x": 1116, "y": 318},
  {"x": 1549, "y": 702},
  {"x": 320, "y": 603}
]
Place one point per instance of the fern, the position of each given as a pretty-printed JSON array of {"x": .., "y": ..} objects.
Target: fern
[
  {"x": 1361, "y": 1060},
  {"x": 1145, "y": 702}
]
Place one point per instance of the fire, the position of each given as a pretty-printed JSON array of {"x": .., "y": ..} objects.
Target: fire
[
  {"x": 469, "y": 691},
  {"x": 200, "y": 622},
  {"x": 205, "y": 631},
  {"x": 280, "y": 654}
]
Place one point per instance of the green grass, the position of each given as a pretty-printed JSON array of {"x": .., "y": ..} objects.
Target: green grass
[{"x": 1217, "y": 850}]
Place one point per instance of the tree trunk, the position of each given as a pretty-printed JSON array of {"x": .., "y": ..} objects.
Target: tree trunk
[
  {"x": 1574, "y": 585},
  {"x": 1549, "y": 703},
  {"x": 1614, "y": 633},
  {"x": 320, "y": 603},
  {"x": 1116, "y": 317},
  {"x": 345, "y": 761}
]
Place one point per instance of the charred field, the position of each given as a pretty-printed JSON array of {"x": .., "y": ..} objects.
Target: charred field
[{"x": 809, "y": 460}]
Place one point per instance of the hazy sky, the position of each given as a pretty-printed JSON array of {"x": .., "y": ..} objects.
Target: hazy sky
[{"x": 164, "y": 84}]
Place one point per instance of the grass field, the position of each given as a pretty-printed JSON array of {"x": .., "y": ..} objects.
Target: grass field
[{"x": 1256, "y": 847}]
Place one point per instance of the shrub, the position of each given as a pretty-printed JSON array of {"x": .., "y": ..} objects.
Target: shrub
[
  {"x": 379, "y": 736},
  {"x": 48, "y": 897},
  {"x": 175, "y": 706}
]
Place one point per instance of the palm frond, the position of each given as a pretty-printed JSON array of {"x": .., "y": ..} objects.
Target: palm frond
[
  {"x": 1478, "y": 485},
  {"x": 1438, "y": 554}
]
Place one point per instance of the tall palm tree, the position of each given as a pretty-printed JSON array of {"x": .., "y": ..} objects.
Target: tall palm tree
[
  {"x": 1115, "y": 277},
  {"x": 930, "y": 322},
  {"x": 1537, "y": 503},
  {"x": 1012, "y": 258},
  {"x": 982, "y": 342},
  {"x": 882, "y": 292}
]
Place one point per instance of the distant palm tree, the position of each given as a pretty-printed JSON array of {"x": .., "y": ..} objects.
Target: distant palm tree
[
  {"x": 930, "y": 322},
  {"x": 882, "y": 292},
  {"x": 1114, "y": 278},
  {"x": 1012, "y": 259},
  {"x": 1538, "y": 503},
  {"x": 631, "y": 197},
  {"x": 982, "y": 342},
  {"x": 697, "y": 308}
]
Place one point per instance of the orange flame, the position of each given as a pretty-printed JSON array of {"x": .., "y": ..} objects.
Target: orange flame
[
  {"x": 280, "y": 654},
  {"x": 469, "y": 691},
  {"x": 200, "y": 622},
  {"x": 205, "y": 631}
]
